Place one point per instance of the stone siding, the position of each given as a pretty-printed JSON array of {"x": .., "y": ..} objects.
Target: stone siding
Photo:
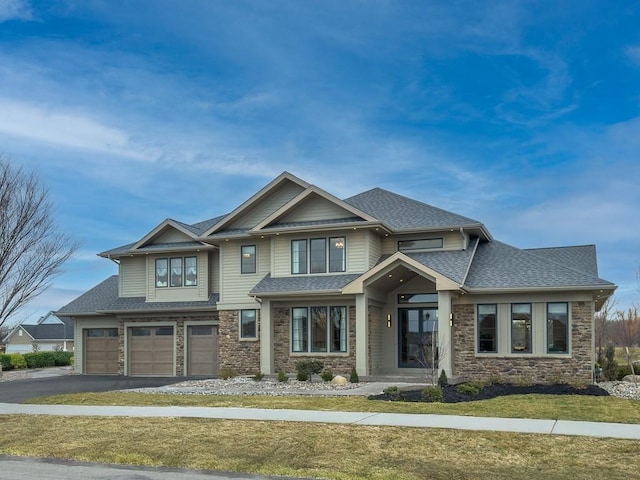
[
  {"x": 240, "y": 356},
  {"x": 341, "y": 364},
  {"x": 535, "y": 368}
]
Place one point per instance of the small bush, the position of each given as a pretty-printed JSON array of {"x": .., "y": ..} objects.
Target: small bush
[
  {"x": 5, "y": 361},
  {"x": 494, "y": 379},
  {"x": 258, "y": 376},
  {"x": 282, "y": 377},
  {"x": 39, "y": 359},
  {"x": 470, "y": 388},
  {"x": 523, "y": 380},
  {"x": 623, "y": 371},
  {"x": 432, "y": 394},
  {"x": 61, "y": 358},
  {"x": 302, "y": 376},
  {"x": 393, "y": 392},
  {"x": 610, "y": 365},
  {"x": 327, "y": 375},
  {"x": 17, "y": 361},
  {"x": 308, "y": 367},
  {"x": 354, "y": 378},
  {"x": 443, "y": 381},
  {"x": 226, "y": 373}
]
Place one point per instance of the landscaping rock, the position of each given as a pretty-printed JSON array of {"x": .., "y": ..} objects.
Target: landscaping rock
[{"x": 339, "y": 380}]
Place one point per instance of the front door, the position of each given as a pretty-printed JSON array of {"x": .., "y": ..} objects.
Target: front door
[{"x": 418, "y": 337}]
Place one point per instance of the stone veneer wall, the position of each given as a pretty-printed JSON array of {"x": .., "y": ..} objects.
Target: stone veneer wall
[
  {"x": 283, "y": 359},
  {"x": 178, "y": 322},
  {"x": 241, "y": 356},
  {"x": 537, "y": 369}
]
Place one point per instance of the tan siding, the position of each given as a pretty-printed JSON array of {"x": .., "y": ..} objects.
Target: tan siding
[
  {"x": 177, "y": 294},
  {"x": 171, "y": 235},
  {"x": 267, "y": 206},
  {"x": 214, "y": 272},
  {"x": 452, "y": 240},
  {"x": 17, "y": 339},
  {"x": 133, "y": 276},
  {"x": 375, "y": 249},
  {"x": 316, "y": 209},
  {"x": 376, "y": 333},
  {"x": 357, "y": 251},
  {"x": 235, "y": 286}
]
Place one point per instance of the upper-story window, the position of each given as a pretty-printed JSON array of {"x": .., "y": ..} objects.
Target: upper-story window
[
  {"x": 422, "y": 244},
  {"x": 322, "y": 255},
  {"x": 248, "y": 259},
  {"x": 177, "y": 272}
]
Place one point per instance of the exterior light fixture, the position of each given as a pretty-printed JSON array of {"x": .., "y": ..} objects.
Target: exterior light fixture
[
  {"x": 451, "y": 319},
  {"x": 388, "y": 320}
]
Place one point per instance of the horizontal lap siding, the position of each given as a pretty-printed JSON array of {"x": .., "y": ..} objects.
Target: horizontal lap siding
[
  {"x": 133, "y": 276},
  {"x": 236, "y": 286},
  {"x": 452, "y": 240},
  {"x": 316, "y": 209},
  {"x": 179, "y": 294},
  {"x": 266, "y": 206}
]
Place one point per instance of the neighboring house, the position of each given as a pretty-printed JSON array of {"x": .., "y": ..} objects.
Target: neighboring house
[
  {"x": 48, "y": 334},
  {"x": 372, "y": 282}
]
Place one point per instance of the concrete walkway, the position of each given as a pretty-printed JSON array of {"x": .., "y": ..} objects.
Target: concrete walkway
[{"x": 551, "y": 427}]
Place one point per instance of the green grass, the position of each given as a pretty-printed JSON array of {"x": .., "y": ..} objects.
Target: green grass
[
  {"x": 559, "y": 407},
  {"x": 344, "y": 452}
]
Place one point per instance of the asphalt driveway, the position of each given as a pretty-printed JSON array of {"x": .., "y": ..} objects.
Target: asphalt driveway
[{"x": 18, "y": 391}]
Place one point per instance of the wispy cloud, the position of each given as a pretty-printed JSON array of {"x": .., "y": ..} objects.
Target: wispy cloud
[{"x": 15, "y": 10}]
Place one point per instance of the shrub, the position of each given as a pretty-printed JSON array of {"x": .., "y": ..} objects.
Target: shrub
[
  {"x": 308, "y": 367},
  {"x": 610, "y": 365},
  {"x": 523, "y": 380},
  {"x": 393, "y": 392},
  {"x": 327, "y": 375},
  {"x": 258, "y": 376},
  {"x": 5, "y": 361},
  {"x": 39, "y": 359},
  {"x": 470, "y": 388},
  {"x": 622, "y": 371},
  {"x": 432, "y": 394},
  {"x": 354, "y": 378},
  {"x": 17, "y": 360},
  {"x": 443, "y": 381},
  {"x": 226, "y": 373},
  {"x": 61, "y": 359},
  {"x": 282, "y": 377},
  {"x": 494, "y": 379}
]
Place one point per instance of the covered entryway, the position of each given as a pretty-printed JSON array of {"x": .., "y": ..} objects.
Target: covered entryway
[
  {"x": 101, "y": 351},
  {"x": 151, "y": 350},
  {"x": 202, "y": 350},
  {"x": 418, "y": 337}
]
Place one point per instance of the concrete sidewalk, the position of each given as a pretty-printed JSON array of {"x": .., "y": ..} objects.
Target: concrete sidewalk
[{"x": 551, "y": 427}]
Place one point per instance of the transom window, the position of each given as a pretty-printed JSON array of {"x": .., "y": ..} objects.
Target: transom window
[
  {"x": 558, "y": 327},
  {"x": 488, "y": 328},
  {"x": 319, "y": 329},
  {"x": 421, "y": 244},
  {"x": 248, "y": 259},
  {"x": 318, "y": 255},
  {"x": 176, "y": 272},
  {"x": 521, "y": 328}
]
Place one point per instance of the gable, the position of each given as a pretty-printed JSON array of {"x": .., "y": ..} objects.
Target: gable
[
  {"x": 170, "y": 235},
  {"x": 315, "y": 208}
]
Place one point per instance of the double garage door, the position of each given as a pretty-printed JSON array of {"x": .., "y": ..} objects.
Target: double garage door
[{"x": 151, "y": 350}]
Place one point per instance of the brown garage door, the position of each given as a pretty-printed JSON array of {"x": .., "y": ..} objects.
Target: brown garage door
[
  {"x": 101, "y": 350},
  {"x": 202, "y": 345},
  {"x": 151, "y": 351}
]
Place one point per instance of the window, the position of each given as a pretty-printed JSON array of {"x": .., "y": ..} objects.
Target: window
[
  {"x": 487, "y": 329},
  {"x": 521, "y": 328},
  {"x": 418, "y": 298},
  {"x": 177, "y": 272},
  {"x": 558, "y": 327},
  {"x": 324, "y": 255},
  {"x": 319, "y": 329},
  {"x": 248, "y": 324},
  {"x": 248, "y": 260},
  {"x": 422, "y": 244},
  {"x": 299, "y": 256}
]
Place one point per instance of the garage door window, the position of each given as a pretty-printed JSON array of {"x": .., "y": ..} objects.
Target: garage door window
[
  {"x": 164, "y": 331},
  {"x": 206, "y": 330},
  {"x": 141, "y": 332}
]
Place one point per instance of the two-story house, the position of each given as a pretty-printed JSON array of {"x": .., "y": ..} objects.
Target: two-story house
[{"x": 377, "y": 281}]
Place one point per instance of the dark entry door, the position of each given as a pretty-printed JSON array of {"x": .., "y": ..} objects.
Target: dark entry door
[{"x": 418, "y": 337}]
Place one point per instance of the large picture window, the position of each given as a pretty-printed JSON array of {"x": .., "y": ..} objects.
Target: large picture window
[
  {"x": 319, "y": 329},
  {"x": 487, "y": 329},
  {"x": 558, "y": 327},
  {"x": 248, "y": 324},
  {"x": 324, "y": 255},
  {"x": 248, "y": 259},
  {"x": 176, "y": 272},
  {"x": 521, "y": 328}
]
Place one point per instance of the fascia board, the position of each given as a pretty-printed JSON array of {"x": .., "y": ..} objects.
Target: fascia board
[
  {"x": 255, "y": 198},
  {"x": 319, "y": 228},
  {"x": 308, "y": 293},
  {"x": 565, "y": 288}
]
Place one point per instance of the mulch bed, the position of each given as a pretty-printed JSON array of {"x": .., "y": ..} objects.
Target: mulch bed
[{"x": 451, "y": 395}]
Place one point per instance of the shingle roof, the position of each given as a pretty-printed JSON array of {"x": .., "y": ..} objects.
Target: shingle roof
[
  {"x": 402, "y": 213},
  {"x": 51, "y": 331},
  {"x": 498, "y": 265},
  {"x": 313, "y": 223},
  {"x": 580, "y": 257},
  {"x": 453, "y": 264},
  {"x": 103, "y": 298},
  {"x": 320, "y": 283}
]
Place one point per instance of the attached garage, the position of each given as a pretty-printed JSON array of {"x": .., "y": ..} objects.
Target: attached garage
[
  {"x": 151, "y": 350},
  {"x": 202, "y": 350},
  {"x": 101, "y": 351}
]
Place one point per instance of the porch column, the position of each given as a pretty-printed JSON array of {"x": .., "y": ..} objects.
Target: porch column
[
  {"x": 266, "y": 338},
  {"x": 445, "y": 338},
  {"x": 362, "y": 335}
]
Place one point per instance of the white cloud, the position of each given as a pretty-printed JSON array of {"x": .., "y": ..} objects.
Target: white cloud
[{"x": 15, "y": 10}]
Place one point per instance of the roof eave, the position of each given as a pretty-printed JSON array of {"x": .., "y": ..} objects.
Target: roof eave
[
  {"x": 325, "y": 226},
  {"x": 296, "y": 293},
  {"x": 566, "y": 288}
]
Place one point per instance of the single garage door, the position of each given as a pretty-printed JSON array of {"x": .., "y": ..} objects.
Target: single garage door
[
  {"x": 202, "y": 345},
  {"x": 151, "y": 351},
  {"x": 101, "y": 350}
]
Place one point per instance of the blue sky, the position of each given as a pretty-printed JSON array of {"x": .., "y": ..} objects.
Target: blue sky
[{"x": 523, "y": 115}]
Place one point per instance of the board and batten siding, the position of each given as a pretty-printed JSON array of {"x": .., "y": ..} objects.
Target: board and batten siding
[
  {"x": 133, "y": 276},
  {"x": 451, "y": 240},
  {"x": 316, "y": 209},
  {"x": 266, "y": 206},
  {"x": 235, "y": 286},
  {"x": 199, "y": 292}
]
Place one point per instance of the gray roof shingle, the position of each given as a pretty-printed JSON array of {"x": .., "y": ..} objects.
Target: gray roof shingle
[
  {"x": 580, "y": 257},
  {"x": 453, "y": 264},
  {"x": 402, "y": 213},
  {"x": 51, "y": 331},
  {"x": 321, "y": 283}
]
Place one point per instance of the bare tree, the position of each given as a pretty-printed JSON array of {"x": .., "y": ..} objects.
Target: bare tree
[
  {"x": 32, "y": 251},
  {"x": 602, "y": 322},
  {"x": 628, "y": 333}
]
